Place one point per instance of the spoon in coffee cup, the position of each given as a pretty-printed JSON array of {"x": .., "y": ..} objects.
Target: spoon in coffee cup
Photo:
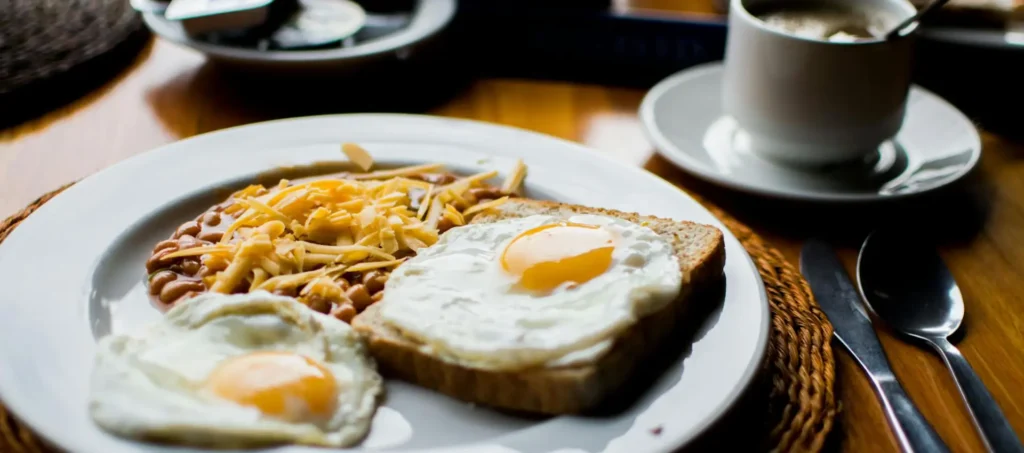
[{"x": 911, "y": 22}]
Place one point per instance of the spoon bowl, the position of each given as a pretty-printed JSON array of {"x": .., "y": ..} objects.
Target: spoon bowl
[{"x": 909, "y": 287}]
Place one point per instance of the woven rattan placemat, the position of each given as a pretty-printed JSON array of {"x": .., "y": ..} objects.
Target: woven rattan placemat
[
  {"x": 800, "y": 366},
  {"x": 52, "y": 50}
]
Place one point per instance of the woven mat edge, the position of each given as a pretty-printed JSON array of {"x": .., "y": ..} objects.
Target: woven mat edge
[{"x": 800, "y": 359}]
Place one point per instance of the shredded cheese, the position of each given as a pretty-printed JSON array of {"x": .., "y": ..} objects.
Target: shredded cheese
[
  {"x": 425, "y": 203},
  {"x": 453, "y": 215},
  {"x": 464, "y": 184},
  {"x": 357, "y": 155},
  {"x": 405, "y": 171},
  {"x": 302, "y": 236},
  {"x": 371, "y": 266},
  {"x": 197, "y": 251},
  {"x": 485, "y": 206},
  {"x": 515, "y": 179}
]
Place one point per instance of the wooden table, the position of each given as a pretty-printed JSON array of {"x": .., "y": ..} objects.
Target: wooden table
[{"x": 171, "y": 94}]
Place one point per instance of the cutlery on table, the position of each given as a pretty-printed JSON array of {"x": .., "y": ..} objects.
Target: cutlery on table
[
  {"x": 841, "y": 303},
  {"x": 909, "y": 287}
]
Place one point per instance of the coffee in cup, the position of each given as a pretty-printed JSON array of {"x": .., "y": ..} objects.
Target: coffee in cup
[
  {"x": 815, "y": 82},
  {"x": 824, "y": 21}
]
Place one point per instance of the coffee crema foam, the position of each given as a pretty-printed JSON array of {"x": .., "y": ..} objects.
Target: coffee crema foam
[{"x": 827, "y": 22}]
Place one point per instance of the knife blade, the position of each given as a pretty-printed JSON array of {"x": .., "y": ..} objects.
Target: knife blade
[{"x": 842, "y": 304}]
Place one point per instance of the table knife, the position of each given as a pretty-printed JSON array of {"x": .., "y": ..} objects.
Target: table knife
[{"x": 841, "y": 303}]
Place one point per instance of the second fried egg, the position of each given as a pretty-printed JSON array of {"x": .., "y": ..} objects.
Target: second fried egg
[{"x": 237, "y": 370}]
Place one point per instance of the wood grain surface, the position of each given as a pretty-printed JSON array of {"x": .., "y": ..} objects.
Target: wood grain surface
[{"x": 172, "y": 93}]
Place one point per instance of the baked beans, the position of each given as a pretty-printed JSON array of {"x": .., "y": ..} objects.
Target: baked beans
[
  {"x": 210, "y": 236},
  {"x": 359, "y": 297},
  {"x": 444, "y": 224},
  {"x": 188, "y": 229},
  {"x": 374, "y": 281},
  {"x": 481, "y": 194},
  {"x": 159, "y": 279},
  {"x": 318, "y": 303},
  {"x": 186, "y": 272},
  {"x": 344, "y": 312},
  {"x": 165, "y": 244},
  {"x": 173, "y": 291}
]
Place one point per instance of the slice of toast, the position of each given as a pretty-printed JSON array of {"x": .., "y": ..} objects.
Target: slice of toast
[{"x": 566, "y": 389}]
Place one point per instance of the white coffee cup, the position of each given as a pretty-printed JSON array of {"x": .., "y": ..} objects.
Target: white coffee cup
[{"x": 811, "y": 101}]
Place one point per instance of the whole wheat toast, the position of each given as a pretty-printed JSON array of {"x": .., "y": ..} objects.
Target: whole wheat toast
[{"x": 566, "y": 389}]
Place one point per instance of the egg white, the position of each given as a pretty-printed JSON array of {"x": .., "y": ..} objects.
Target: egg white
[
  {"x": 456, "y": 299},
  {"x": 146, "y": 385}
]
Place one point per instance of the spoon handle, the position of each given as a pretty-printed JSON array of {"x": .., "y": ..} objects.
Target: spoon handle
[
  {"x": 898, "y": 30},
  {"x": 996, "y": 431},
  {"x": 913, "y": 432}
]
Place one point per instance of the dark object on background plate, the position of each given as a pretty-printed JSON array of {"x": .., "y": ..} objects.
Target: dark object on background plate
[
  {"x": 909, "y": 287},
  {"x": 841, "y": 303},
  {"x": 318, "y": 23},
  {"x": 383, "y": 37},
  {"x": 298, "y": 24},
  {"x": 387, "y": 6},
  {"x": 197, "y": 17},
  {"x": 580, "y": 40}
]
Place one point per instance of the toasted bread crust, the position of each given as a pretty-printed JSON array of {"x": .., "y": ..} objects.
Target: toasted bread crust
[{"x": 562, "y": 390}]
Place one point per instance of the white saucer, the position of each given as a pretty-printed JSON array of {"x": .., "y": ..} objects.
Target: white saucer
[{"x": 682, "y": 116}]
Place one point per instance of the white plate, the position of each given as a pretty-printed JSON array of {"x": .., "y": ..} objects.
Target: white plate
[
  {"x": 682, "y": 115},
  {"x": 74, "y": 271}
]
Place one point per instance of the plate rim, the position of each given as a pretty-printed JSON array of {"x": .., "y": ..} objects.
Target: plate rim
[
  {"x": 43, "y": 431},
  {"x": 666, "y": 148}
]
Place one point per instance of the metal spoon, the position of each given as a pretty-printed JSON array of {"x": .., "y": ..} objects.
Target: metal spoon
[
  {"x": 909, "y": 287},
  {"x": 904, "y": 28}
]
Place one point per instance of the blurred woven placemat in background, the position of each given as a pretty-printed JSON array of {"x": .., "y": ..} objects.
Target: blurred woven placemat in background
[
  {"x": 53, "y": 51},
  {"x": 799, "y": 369}
]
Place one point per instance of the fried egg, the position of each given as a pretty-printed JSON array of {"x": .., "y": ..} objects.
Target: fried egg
[
  {"x": 532, "y": 291},
  {"x": 237, "y": 370}
]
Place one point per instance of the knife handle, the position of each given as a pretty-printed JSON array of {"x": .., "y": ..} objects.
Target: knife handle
[{"x": 913, "y": 432}]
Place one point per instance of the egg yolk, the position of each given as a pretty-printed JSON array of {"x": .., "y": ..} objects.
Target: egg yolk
[
  {"x": 280, "y": 384},
  {"x": 549, "y": 256}
]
